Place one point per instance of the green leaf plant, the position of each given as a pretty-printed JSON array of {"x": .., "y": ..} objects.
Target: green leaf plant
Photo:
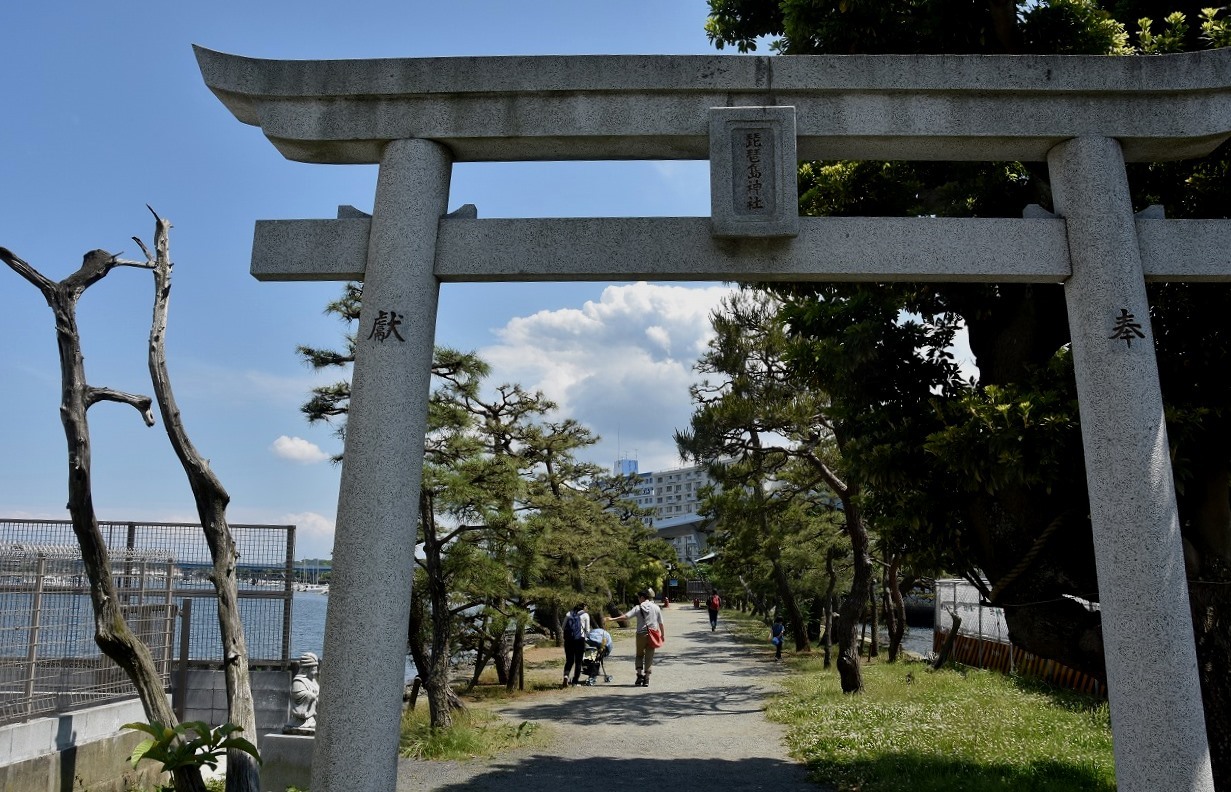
[{"x": 188, "y": 744}]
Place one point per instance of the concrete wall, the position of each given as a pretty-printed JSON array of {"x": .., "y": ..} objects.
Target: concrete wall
[
  {"x": 288, "y": 762},
  {"x": 206, "y": 699},
  {"x": 85, "y": 749}
]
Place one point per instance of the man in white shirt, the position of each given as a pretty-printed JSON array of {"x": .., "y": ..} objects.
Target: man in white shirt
[{"x": 649, "y": 617}]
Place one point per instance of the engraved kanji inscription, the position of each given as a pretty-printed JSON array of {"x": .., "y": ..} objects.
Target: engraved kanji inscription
[
  {"x": 753, "y": 171},
  {"x": 385, "y": 325},
  {"x": 1126, "y": 326}
]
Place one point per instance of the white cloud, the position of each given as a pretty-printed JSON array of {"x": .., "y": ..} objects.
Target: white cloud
[
  {"x": 962, "y": 354},
  {"x": 621, "y": 365},
  {"x": 313, "y": 534},
  {"x": 298, "y": 450}
]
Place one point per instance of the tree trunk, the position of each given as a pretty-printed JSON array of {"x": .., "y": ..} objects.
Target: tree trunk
[
  {"x": 1211, "y": 607},
  {"x": 111, "y": 632},
  {"x": 852, "y": 605},
  {"x": 890, "y": 616},
  {"x": 500, "y": 659},
  {"x": 243, "y": 771},
  {"x": 827, "y": 642},
  {"x": 874, "y": 649},
  {"x": 415, "y": 687},
  {"x": 415, "y": 630},
  {"x": 897, "y": 606},
  {"x": 795, "y": 618},
  {"x": 950, "y": 639},
  {"x": 832, "y": 574},
  {"x": 481, "y": 657},
  {"x": 435, "y": 669},
  {"x": 516, "y": 677}
]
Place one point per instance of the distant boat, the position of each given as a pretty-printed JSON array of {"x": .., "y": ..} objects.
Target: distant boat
[{"x": 315, "y": 588}]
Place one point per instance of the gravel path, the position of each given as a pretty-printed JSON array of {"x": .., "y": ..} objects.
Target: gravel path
[{"x": 700, "y": 726}]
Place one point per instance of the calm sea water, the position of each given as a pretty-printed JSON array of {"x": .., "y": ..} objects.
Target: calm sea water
[
  {"x": 308, "y": 623},
  {"x": 66, "y": 626},
  {"x": 308, "y": 627}
]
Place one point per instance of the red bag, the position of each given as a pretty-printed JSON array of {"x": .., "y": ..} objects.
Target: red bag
[{"x": 656, "y": 637}]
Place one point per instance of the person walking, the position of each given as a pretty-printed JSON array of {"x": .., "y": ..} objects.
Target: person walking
[
  {"x": 713, "y": 604},
  {"x": 576, "y": 628},
  {"x": 649, "y": 620},
  {"x": 777, "y": 637}
]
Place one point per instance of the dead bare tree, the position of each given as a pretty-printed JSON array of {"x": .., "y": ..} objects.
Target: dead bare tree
[
  {"x": 111, "y": 632},
  {"x": 243, "y": 773}
]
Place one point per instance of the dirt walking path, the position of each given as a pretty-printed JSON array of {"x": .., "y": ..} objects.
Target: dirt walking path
[{"x": 699, "y": 726}]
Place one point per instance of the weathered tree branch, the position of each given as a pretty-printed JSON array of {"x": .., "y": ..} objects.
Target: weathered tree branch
[
  {"x": 111, "y": 631},
  {"x": 212, "y": 499},
  {"x": 141, "y": 404}
]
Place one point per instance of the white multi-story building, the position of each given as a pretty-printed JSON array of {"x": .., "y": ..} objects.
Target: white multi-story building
[{"x": 672, "y": 498}]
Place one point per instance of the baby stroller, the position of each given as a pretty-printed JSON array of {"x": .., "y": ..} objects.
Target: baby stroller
[{"x": 596, "y": 651}]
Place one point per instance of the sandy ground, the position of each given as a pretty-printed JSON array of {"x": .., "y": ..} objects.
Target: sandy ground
[{"x": 699, "y": 726}]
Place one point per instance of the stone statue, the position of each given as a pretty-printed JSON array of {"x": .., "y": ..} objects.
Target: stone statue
[{"x": 305, "y": 690}]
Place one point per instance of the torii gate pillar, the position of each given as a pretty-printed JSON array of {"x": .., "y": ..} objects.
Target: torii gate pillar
[
  {"x": 378, "y": 505},
  {"x": 1128, "y": 471}
]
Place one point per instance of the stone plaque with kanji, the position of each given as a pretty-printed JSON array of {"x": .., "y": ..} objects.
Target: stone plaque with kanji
[{"x": 752, "y": 172}]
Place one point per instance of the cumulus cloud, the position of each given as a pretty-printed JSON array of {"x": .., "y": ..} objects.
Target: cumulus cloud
[
  {"x": 621, "y": 364},
  {"x": 298, "y": 450},
  {"x": 313, "y": 534}
]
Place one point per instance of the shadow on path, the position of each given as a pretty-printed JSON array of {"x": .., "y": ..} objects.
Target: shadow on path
[
  {"x": 616, "y": 775},
  {"x": 648, "y": 707}
]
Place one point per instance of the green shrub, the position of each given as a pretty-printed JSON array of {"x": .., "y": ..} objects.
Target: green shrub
[{"x": 174, "y": 748}]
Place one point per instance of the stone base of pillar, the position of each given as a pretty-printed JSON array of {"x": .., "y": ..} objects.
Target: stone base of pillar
[{"x": 286, "y": 761}]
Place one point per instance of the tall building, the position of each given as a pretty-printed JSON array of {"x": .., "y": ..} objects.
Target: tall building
[{"x": 672, "y": 497}]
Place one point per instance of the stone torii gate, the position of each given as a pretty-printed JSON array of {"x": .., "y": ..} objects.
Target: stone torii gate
[{"x": 753, "y": 118}]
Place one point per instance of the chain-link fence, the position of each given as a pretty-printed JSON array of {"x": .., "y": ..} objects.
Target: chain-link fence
[
  {"x": 979, "y": 621},
  {"x": 162, "y": 571},
  {"x": 48, "y": 659}
]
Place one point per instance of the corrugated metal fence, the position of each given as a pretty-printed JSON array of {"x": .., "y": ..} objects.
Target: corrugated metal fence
[{"x": 983, "y": 640}]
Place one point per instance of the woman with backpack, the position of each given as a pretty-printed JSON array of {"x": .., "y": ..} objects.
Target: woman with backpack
[{"x": 576, "y": 628}]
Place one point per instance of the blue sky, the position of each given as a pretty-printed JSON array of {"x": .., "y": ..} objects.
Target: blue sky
[{"x": 106, "y": 112}]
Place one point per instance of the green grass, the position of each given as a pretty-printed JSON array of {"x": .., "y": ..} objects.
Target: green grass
[
  {"x": 475, "y": 733},
  {"x": 918, "y": 730}
]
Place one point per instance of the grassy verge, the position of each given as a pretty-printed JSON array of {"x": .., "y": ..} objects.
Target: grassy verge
[
  {"x": 476, "y": 733},
  {"x": 479, "y": 732},
  {"x": 953, "y": 730},
  {"x": 917, "y": 730}
]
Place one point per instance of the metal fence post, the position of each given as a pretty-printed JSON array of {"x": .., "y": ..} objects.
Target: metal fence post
[
  {"x": 168, "y": 621},
  {"x": 179, "y": 699},
  {"x": 36, "y": 610},
  {"x": 288, "y": 599},
  {"x": 981, "y": 638}
]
